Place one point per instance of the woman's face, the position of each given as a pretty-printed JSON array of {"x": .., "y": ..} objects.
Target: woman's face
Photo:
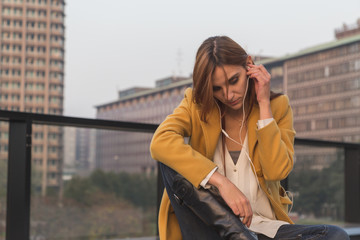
[{"x": 231, "y": 96}]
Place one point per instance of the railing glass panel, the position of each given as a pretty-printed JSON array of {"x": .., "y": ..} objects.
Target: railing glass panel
[
  {"x": 4, "y": 147},
  {"x": 92, "y": 184},
  {"x": 317, "y": 185}
]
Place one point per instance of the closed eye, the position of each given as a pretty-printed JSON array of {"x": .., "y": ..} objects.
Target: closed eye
[
  {"x": 234, "y": 79},
  {"x": 215, "y": 89}
]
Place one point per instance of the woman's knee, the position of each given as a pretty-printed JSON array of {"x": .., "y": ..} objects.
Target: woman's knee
[
  {"x": 167, "y": 174},
  {"x": 336, "y": 233}
]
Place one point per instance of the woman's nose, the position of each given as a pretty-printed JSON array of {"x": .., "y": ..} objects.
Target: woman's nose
[{"x": 229, "y": 95}]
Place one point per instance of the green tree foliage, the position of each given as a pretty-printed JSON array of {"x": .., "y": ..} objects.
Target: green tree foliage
[
  {"x": 100, "y": 206},
  {"x": 138, "y": 189},
  {"x": 319, "y": 192}
]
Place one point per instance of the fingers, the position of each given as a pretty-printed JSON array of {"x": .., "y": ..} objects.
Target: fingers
[
  {"x": 242, "y": 208},
  {"x": 246, "y": 212},
  {"x": 258, "y": 72},
  {"x": 235, "y": 208},
  {"x": 248, "y": 215},
  {"x": 237, "y": 201},
  {"x": 261, "y": 79}
]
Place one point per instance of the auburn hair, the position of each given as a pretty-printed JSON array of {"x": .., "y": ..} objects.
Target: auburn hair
[{"x": 215, "y": 52}]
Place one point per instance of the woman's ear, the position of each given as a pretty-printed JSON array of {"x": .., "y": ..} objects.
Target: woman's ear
[{"x": 249, "y": 60}]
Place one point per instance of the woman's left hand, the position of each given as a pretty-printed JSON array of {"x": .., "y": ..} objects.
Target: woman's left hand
[{"x": 262, "y": 82}]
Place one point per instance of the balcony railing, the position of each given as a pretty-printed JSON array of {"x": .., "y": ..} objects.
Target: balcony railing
[{"x": 19, "y": 165}]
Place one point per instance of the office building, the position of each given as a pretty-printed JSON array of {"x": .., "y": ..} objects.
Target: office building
[
  {"x": 128, "y": 151},
  {"x": 32, "y": 77},
  {"x": 323, "y": 84}
]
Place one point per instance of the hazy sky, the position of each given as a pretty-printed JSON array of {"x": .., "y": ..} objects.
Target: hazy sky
[{"x": 113, "y": 45}]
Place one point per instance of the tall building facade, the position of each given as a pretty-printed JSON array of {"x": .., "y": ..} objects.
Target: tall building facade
[
  {"x": 323, "y": 84},
  {"x": 32, "y": 76}
]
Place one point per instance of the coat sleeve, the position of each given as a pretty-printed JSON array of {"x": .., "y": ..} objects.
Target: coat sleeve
[
  {"x": 276, "y": 142},
  {"x": 168, "y": 145}
]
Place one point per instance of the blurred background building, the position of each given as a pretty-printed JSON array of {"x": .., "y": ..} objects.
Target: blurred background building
[
  {"x": 129, "y": 152},
  {"x": 322, "y": 82},
  {"x": 79, "y": 152},
  {"x": 32, "y": 77}
]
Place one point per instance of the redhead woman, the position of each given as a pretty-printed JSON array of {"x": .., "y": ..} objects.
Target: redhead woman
[{"x": 225, "y": 182}]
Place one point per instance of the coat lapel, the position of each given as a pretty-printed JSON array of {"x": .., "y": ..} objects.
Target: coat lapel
[
  {"x": 254, "y": 116},
  {"x": 211, "y": 131}
]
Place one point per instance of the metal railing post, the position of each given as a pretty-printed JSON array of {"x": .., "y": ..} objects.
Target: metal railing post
[
  {"x": 160, "y": 191},
  {"x": 19, "y": 181},
  {"x": 352, "y": 185}
]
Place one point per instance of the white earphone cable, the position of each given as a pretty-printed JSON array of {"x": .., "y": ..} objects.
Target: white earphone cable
[{"x": 241, "y": 144}]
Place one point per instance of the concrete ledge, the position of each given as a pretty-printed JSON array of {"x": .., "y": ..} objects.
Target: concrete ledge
[{"x": 353, "y": 232}]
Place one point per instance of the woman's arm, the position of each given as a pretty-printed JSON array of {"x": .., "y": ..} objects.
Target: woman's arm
[
  {"x": 276, "y": 142},
  {"x": 233, "y": 197},
  {"x": 168, "y": 146}
]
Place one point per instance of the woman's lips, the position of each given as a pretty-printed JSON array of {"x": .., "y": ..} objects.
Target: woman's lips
[{"x": 234, "y": 102}]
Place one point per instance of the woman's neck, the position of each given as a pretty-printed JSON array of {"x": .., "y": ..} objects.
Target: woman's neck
[{"x": 235, "y": 114}]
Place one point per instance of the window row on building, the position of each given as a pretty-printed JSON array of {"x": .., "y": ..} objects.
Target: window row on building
[
  {"x": 37, "y": 37},
  {"x": 10, "y": 60},
  {"x": 325, "y": 55},
  {"x": 58, "y": 52},
  {"x": 40, "y": 135},
  {"x": 140, "y": 115},
  {"x": 30, "y": 61},
  {"x": 31, "y": 98},
  {"x": 28, "y": 86},
  {"x": 30, "y": 74},
  {"x": 327, "y": 123},
  {"x": 325, "y": 89},
  {"x": 39, "y": 25},
  {"x": 54, "y": 111},
  {"x": 326, "y": 106},
  {"x": 51, "y": 149},
  {"x": 328, "y": 71},
  {"x": 155, "y": 100},
  {"x": 50, "y": 162},
  {"x": 36, "y": 2},
  {"x": 36, "y": 13}
]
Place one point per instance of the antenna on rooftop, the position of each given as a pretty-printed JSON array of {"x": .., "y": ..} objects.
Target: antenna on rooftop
[{"x": 179, "y": 60}]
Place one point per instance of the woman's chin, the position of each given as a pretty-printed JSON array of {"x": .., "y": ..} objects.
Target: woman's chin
[{"x": 236, "y": 107}]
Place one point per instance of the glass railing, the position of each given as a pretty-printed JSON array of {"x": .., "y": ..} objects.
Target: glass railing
[
  {"x": 4, "y": 138},
  {"x": 317, "y": 185},
  {"x": 95, "y": 184},
  {"x": 94, "y": 179}
]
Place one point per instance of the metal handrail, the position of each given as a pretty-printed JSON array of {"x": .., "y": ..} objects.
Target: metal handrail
[{"x": 19, "y": 164}]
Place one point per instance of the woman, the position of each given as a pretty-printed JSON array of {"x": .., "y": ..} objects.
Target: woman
[{"x": 240, "y": 147}]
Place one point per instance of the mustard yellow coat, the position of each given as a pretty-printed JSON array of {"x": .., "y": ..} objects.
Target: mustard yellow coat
[{"x": 271, "y": 150}]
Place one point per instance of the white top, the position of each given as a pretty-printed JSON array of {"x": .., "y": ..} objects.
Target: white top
[
  {"x": 260, "y": 124},
  {"x": 242, "y": 176}
]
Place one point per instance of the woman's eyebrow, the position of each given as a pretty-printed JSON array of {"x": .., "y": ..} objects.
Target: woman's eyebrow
[{"x": 234, "y": 76}]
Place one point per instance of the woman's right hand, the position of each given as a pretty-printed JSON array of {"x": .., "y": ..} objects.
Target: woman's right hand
[{"x": 233, "y": 197}]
